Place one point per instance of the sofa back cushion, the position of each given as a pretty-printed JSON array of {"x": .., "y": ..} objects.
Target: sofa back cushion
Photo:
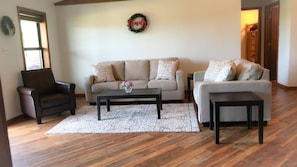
[
  {"x": 154, "y": 66},
  {"x": 136, "y": 70}
]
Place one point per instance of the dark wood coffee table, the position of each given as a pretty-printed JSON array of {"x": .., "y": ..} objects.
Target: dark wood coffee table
[
  {"x": 247, "y": 99},
  {"x": 136, "y": 93}
]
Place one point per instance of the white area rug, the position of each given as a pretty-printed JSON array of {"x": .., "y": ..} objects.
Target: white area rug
[{"x": 175, "y": 117}]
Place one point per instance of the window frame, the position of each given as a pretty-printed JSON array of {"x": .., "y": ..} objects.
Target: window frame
[{"x": 40, "y": 18}]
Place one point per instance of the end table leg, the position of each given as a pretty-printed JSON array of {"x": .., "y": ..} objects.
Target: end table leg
[
  {"x": 260, "y": 124},
  {"x": 249, "y": 116},
  {"x": 210, "y": 115},
  {"x": 98, "y": 108},
  {"x": 217, "y": 124}
]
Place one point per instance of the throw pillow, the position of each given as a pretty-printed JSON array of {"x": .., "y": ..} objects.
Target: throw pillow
[
  {"x": 220, "y": 71},
  {"x": 103, "y": 73},
  {"x": 166, "y": 70},
  {"x": 246, "y": 70}
]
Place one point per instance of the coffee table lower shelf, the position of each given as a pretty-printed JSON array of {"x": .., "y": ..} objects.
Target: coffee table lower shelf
[{"x": 136, "y": 93}]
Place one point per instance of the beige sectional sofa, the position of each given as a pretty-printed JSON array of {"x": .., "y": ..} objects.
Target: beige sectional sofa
[
  {"x": 149, "y": 73},
  {"x": 247, "y": 76}
]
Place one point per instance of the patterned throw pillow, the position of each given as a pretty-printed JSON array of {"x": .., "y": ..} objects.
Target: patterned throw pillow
[
  {"x": 103, "y": 73},
  {"x": 218, "y": 71},
  {"x": 166, "y": 70},
  {"x": 246, "y": 70}
]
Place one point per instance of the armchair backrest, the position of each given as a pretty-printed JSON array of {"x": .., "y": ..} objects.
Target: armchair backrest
[{"x": 42, "y": 80}]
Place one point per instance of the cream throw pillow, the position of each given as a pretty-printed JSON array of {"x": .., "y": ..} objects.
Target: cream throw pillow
[
  {"x": 218, "y": 71},
  {"x": 166, "y": 70},
  {"x": 103, "y": 73}
]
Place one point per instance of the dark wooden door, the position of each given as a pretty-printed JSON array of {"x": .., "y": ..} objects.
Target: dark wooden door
[
  {"x": 271, "y": 39},
  {"x": 5, "y": 156}
]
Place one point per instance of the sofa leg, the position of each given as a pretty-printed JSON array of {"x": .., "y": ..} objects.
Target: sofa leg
[{"x": 205, "y": 124}]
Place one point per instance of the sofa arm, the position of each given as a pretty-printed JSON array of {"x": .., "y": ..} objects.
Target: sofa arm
[
  {"x": 30, "y": 102},
  {"x": 262, "y": 88},
  {"x": 89, "y": 81},
  {"x": 198, "y": 76},
  {"x": 180, "y": 82}
]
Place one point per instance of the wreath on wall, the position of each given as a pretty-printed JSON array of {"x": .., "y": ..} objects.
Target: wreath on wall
[
  {"x": 137, "y": 23},
  {"x": 7, "y": 26}
]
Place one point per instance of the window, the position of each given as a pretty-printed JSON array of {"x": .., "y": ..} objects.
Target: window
[{"x": 34, "y": 39}]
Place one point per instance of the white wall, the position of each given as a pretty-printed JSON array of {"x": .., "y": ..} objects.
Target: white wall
[
  {"x": 193, "y": 30},
  {"x": 11, "y": 60},
  {"x": 287, "y": 54}
]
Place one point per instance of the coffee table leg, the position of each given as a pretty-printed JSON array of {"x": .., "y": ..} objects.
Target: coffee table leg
[
  {"x": 158, "y": 102},
  {"x": 108, "y": 104},
  {"x": 161, "y": 101},
  {"x": 98, "y": 108}
]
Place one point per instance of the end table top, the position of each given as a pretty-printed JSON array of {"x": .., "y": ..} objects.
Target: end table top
[{"x": 234, "y": 97}]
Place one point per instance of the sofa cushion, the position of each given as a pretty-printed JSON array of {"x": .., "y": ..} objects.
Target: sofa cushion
[
  {"x": 218, "y": 71},
  {"x": 139, "y": 84},
  {"x": 246, "y": 70},
  {"x": 136, "y": 70},
  {"x": 154, "y": 66},
  {"x": 103, "y": 73},
  {"x": 163, "y": 84},
  {"x": 99, "y": 87},
  {"x": 166, "y": 70}
]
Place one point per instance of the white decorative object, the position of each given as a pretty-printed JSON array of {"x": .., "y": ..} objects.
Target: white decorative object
[{"x": 128, "y": 89}]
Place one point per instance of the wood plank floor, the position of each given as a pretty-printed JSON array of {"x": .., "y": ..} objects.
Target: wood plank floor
[{"x": 30, "y": 147}]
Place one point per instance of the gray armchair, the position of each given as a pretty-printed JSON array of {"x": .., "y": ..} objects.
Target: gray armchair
[{"x": 41, "y": 95}]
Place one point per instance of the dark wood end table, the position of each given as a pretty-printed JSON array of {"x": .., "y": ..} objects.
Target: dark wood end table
[
  {"x": 136, "y": 93},
  {"x": 247, "y": 99},
  {"x": 189, "y": 78}
]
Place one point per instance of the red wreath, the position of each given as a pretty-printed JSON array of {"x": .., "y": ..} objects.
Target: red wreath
[{"x": 137, "y": 23}]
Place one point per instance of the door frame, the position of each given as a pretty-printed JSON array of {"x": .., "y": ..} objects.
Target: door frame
[{"x": 267, "y": 39}]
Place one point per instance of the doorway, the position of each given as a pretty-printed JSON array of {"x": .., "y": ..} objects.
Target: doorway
[
  {"x": 271, "y": 39},
  {"x": 251, "y": 34}
]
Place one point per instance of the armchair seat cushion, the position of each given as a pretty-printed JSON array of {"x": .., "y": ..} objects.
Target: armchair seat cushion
[{"x": 51, "y": 100}]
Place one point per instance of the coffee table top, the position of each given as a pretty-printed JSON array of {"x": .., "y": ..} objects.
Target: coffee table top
[{"x": 135, "y": 93}]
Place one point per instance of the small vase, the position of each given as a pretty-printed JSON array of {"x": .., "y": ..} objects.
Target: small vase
[{"x": 128, "y": 89}]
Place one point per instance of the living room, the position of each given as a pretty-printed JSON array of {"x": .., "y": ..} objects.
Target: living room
[
  {"x": 82, "y": 35},
  {"x": 200, "y": 33}
]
